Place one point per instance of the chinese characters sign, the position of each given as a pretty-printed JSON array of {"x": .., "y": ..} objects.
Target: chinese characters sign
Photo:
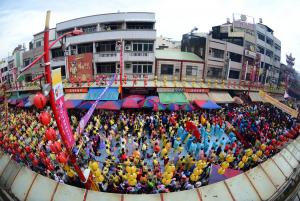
[{"x": 80, "y": 67}]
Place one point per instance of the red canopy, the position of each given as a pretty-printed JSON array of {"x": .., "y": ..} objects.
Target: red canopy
[{"x": 130, "y": 103}]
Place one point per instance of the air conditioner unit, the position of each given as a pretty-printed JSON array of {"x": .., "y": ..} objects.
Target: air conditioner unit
[{"x": 127, "y": 47}]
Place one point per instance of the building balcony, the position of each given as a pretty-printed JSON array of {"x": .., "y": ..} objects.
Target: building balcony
[
  {"x": 113, "y": 35},
  {"x": 127, "y": 56},
  {"x": 235, "y": 65}
]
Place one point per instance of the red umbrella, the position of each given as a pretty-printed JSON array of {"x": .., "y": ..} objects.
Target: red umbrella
[{"x": 130, "y": 103}]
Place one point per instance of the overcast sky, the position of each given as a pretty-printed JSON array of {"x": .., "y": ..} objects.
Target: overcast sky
[{"x": 20, "y": 19}]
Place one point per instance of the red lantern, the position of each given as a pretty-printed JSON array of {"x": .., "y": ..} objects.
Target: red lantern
[
  {"x": 23, "y": 156},
  {"x": 55, "y": 147},
  {"x": 39, "y": 101},
  {"x": 47, "y": 161},
  {"x": 27, "y": 149},
  {"x": 50, "y": 167},
  {"x": 31, "y": 156},
  {"x": 42, "y": 154},
  {"x": 45, "y": 118},
  {"x": 62, "y": 158},
  {"x": 50, "y": 134},
  {"x": 35, "y": 162}
]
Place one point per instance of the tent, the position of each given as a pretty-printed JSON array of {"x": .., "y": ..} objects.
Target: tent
[
  {"x": 69, "y": 104},
  {"x": 109, "y": 105},
  {"x": 173, "y": 107},
  {"x": 207, "y": 104},
  {"x": 130, "y": 103},
  {"x": 146, "y": 103},
  {"x": 85, "y": 105},
  {"x": 187, "y": 107},
  {"x": 159, "y": 107}
]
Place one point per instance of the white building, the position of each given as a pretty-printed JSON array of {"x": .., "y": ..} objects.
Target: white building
[
  {"x": 100, "y": 37},
  {"x": 167, "y": 43}
]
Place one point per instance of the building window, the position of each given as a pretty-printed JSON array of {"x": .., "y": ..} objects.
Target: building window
[
  {"x": 142, "y": 46},
  {"x": 57, "y": 52},
  {"x": 142, "y": 67},
  {"x": 269, "y": 53},
  {"x": 85, "y": 48},
  {"x": 261, "y": 36},
  {"x": 139, "y": 25},
  {"x": 214, "y": 72},
  {"x": 276, "y": 58},
  {"x": 38, "y": 44},
  {"x": 112, "y": 26},
  {"x": 191, "y": 70},
  {"x": 28, "y": 78},
  {"x": 106, "y": 46},
  {"x": 260, "y": 49},
  {"x": 216, "y": 53},
  {"x": 269, "y": 41},
  {"x": 235, "y": 57},
  {"x": 106, "y": 68},
  {"x": 89, "y": 29},
  {"x": 26, "y": 62},
  {"x": 277, "y": 47},
  {"x": 234, "y": 74},
  {"x": 166, "y": 69}
]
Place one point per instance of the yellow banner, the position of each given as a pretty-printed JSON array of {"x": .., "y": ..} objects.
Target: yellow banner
[{"x": 56, "y": 77}]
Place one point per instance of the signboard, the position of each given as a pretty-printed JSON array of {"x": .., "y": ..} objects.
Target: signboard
[
  {"x": 63, "y": 117},
  {"x": 80, "y": 67},
  {"x": 250, "y": 54},
  {"x": 187, "y": 90},
  {"x": 76, "y": 90}
]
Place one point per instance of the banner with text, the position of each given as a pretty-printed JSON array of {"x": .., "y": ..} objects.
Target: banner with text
[{"x": 63, "y": 118}]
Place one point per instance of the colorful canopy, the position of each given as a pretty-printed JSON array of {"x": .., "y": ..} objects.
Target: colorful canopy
[
  {"x": 187, "y": 107},
  {"x": 146, "y": 103},
  {"x": 159, "y": 107},
  {"x": 28, "y": 104},
  {"x": 72, "y": 103},
  {"x": 109, "y": 105},
  {"x": 220, "y": 97},
  {"x": 216, "y": 177},
  {"x": 153, "y": 98},
  {"x": 130, "y": 103},
  {"x": 137, "y": 97},
  {"x": 207, "y": 104},
  {"x": 85, "y": 105},
  {"x": 170, "y": 97},
  {"x": 21, "y": 103},
  {"x": 173, "y": 107},
  {"x": 110, "y": 94}
]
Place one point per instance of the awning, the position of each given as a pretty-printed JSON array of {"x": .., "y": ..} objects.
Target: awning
[
  {"x": 130, "y": 103},
  {"x": 85, "y": 105},
  {"x": 172, "y": 97},
  {"x": 279, "y": 97},
  {"x": 220, "y": 97},
  {"x": 75, "y": 96},
  {"x": 110, "y": 94},
  {"x": 70, "y": 104},
  {"x": 255, "y": 97},
  {"x": 207, "y": 104},
  {"x": 109, "y": 105},
  {"x": 196, "y": 96}
]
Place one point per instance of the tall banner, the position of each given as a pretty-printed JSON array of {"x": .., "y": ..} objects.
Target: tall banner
[
  {"x": 84, "y": 120},
  {"x": 63, "y": 117},
  {"x": 257, "y": 65},
  {"x": 80, "y": 67}
]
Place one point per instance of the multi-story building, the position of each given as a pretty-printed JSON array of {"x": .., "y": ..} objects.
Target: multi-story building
[
  {"x": 269, "y": 48},
  {"x": 167, "y": 43},
  {"x": 3, "y": 70},
  {"x": 100, "y": 38},
  {"x": 238, "y": 50}
]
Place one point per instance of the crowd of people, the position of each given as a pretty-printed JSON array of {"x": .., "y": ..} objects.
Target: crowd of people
[{"x": 142, "y": 151}]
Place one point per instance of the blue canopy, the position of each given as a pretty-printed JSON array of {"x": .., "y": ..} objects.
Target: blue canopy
[
  {"x": 210, "y": 105},
  {"x": 110, "y": 94}
]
